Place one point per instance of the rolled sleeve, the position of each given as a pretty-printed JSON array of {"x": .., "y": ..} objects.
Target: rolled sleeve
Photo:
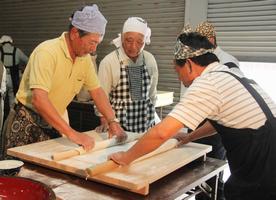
[
  {"x": 105, "y": 76},
  {"x": 153, "y": 72}
]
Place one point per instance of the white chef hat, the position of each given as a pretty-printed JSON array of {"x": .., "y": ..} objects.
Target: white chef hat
[
  {"x": 134, "y": 24},
  {"x": 6, "y": 38},
  {"x": 90, "y": 19}
]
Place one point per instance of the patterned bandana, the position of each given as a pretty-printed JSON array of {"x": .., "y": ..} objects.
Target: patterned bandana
[
  {"x": 182, "y": 51},
  {"x": 206, "y": 29},
  {"x": 186, "y": 29}
]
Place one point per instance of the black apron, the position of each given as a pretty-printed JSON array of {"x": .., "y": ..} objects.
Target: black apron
[
  {"x": 14, "y": 69},
  {"x": 251, "y": 154}
]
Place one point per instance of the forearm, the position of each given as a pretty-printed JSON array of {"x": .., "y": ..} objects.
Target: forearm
[
  {"x": 102, "y": 103},
  {"x": 154, "y": 138},
  {"x": 105, "y": 77},
  {"x": 203, "y": 131},
  {"x": 45, "y": 108},
  {"x": 153, "y": 89},
  {"x": 148, "y": 143}
]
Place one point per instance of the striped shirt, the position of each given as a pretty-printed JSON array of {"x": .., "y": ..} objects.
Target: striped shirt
[{"x": 221, "y": 97}]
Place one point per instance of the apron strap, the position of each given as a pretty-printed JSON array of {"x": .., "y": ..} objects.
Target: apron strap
[
  {"x": 118, "y": 56},
  {"x": 231, "y": 65},
  {"x": 255, "y": 95},
  {"x": 13, "y": 56},
  {"x": 2, "y": 54}
]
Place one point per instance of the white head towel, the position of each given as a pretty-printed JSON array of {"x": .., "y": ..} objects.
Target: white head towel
[{"x": 134, "y": 24}]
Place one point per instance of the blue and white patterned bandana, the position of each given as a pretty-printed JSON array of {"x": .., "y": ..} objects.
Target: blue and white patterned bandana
[{"x": 90, "y": 19}]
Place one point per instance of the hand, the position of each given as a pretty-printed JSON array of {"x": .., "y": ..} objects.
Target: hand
[
  {"x": 183, "y": 138},
  {"x": 120, "y": 158},
  {"x": 83, "y": 140},
  {"x": 116, "y": 130},
  {"x": 103, "y": 127}
]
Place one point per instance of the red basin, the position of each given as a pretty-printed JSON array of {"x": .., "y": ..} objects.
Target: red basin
[{"x": 18, "y": 188}]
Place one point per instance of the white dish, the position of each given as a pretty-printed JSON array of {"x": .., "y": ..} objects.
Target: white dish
[
  {"x": 10, "y": 167},
  {"x": 10, "y": 164}
]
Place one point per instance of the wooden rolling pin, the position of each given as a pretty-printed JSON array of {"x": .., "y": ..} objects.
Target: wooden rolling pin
[
  {"x": 110, "y": 164},
  {"x": 98, "y": 146}
]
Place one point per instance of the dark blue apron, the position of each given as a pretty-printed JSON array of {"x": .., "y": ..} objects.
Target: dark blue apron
[{"x": 251, "y": 155}]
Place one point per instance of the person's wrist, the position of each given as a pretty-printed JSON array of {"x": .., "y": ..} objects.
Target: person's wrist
[
  {"x": 130, "y": 156},
  {"x": 103, "y": 120},
  {"x": 113, "y": 120},
  {"x": 69, "y": 132},
  {"x": 72, "y": 136},
  {"x": 190, "y": 137}
]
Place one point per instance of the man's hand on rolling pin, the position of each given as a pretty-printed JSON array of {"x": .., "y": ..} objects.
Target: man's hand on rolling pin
[
  {"x": 120, "y": 158},
  {"x": 116, "y": 130},
  {"x": 183, "y": 138},
  {"x": 83, "y": 140},
  {"x": 103, "y": 127}
]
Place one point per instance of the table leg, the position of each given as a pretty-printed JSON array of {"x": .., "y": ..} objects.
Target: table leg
[
  {"x": 215, "y": 189},
  {"x": 161, "y": 112}
]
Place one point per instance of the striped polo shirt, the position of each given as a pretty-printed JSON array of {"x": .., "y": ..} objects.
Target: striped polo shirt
[{"x": 221, "y": 97}]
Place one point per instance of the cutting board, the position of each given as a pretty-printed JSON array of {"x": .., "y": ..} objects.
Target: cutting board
[{"x": 136, "y": 177}]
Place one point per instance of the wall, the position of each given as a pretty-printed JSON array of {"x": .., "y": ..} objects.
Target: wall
[{"x": 31, "y": 22}]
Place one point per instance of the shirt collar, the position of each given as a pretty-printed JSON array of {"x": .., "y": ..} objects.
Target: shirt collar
[
  {"x": 64, "y": 45},
  {"x": 65, "y": 49},
  {"x": 217, "y": 50}
]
